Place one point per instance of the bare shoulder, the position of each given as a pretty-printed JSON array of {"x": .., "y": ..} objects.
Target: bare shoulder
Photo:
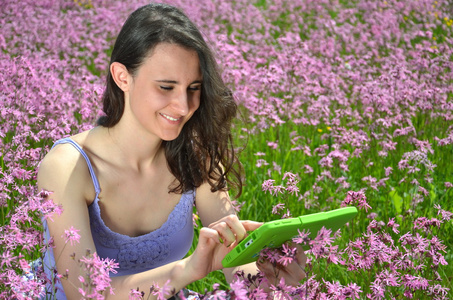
[{"x": 64, "y": 170}]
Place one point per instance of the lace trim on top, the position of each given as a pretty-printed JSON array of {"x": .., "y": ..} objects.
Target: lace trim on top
[{"x": 149, "y": 250}]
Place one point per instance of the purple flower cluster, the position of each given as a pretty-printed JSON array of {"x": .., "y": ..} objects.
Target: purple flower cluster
[{"x": 408, "y": 262}]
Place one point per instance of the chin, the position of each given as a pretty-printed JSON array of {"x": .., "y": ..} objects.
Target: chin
[{"x": 170, "y": 137}]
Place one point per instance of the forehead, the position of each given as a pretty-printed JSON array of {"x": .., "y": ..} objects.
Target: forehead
[{"x": 171, "y": 61}]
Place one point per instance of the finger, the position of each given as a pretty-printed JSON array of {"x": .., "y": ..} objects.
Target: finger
[
  {"x": 226, "y": 234},
  {"x": 236, "y": 226},
  {"x": 237, "y": 229},
  {"x": 208, "y": 235},
  {"x": 267, "y": 269},
  {"x": 293, "y": 273},
  {"x": 301, "y": 258},
  {"x": 251, "y": 225}
]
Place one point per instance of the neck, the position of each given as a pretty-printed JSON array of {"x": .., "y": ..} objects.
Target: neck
[{"x": 135, "y": 149}]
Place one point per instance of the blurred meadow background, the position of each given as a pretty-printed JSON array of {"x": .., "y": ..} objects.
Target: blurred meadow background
[{"x": 342, "y": 103}]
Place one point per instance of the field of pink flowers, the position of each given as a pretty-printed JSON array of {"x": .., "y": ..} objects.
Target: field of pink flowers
[{"x": 343, "y": 103}]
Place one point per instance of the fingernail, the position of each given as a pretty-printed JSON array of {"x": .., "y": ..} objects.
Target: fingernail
[{"x": 221, "y": 241}]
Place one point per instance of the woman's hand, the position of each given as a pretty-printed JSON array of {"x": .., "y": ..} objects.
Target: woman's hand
[
  {"x": 215, "y": 241},
  {"x": 292, "y": 273}
]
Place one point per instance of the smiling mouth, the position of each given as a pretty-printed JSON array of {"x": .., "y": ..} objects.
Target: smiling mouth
[{"x": 169, "y": 118}]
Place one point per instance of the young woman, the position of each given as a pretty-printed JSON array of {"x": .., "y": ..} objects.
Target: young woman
[{"x": 164, "y": 144}]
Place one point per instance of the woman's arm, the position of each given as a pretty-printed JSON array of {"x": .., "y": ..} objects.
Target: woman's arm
[
  {"x": 64, "y": 173},
  {"x": 214, "y": 207}
]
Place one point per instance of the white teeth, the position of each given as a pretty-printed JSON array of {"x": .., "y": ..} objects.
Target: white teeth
[{"x": 169, "y": 118}]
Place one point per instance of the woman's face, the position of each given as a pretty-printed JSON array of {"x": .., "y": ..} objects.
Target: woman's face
[{"x": 165, "y": 91}]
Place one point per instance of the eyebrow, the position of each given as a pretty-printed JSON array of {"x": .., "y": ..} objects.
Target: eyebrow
[{"x": 176, "y": 82}]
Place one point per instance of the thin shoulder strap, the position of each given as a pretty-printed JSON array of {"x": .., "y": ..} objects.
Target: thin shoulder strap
[{"x": 97, "y": 188}]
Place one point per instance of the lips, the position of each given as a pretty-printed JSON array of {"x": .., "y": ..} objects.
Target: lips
[{"x": 169, "y": 118}]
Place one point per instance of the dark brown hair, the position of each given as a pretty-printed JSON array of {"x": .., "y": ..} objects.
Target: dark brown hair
[{"x": 204, "y": 151}]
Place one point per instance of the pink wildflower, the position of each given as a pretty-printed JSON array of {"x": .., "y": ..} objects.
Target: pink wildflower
[
  {"x": 356, "y": 198},
  {"x": 136, "y": 295},
  {"x": 276, "y": 209},
  {"x": 163, "y": 292},
  {"x": 308, "y": 169},
  {"x": 71, "y": 235},
  {"x": 393, "y": 225},
  {"x": 302, "y": 238},
  {"x": 268, "y": 185}
]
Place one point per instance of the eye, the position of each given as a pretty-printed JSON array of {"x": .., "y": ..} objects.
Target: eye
[
  {"x": 166, "y": 88},
  {"x": 194, "y": 88}
]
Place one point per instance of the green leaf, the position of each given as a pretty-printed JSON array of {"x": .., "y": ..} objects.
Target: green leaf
[{"x": 397, "y": 201}]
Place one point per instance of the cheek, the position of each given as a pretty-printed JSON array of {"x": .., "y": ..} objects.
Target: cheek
[{"x": 195, "y": 103}]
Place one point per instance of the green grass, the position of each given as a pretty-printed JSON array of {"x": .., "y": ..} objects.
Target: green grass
[{"x": 388, "y": 202}]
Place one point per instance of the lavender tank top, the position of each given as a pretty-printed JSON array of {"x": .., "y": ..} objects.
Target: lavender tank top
[{"x": 168, "y": 243}]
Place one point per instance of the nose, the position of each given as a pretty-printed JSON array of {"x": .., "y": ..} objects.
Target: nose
[{"x": 180, "y": 103}]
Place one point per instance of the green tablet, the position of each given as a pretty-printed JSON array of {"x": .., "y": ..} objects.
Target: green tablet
[{"x": 273, "y": 234}]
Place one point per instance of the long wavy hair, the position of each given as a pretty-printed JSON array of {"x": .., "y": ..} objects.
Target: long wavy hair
[{"x": 204, "y": 150}]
